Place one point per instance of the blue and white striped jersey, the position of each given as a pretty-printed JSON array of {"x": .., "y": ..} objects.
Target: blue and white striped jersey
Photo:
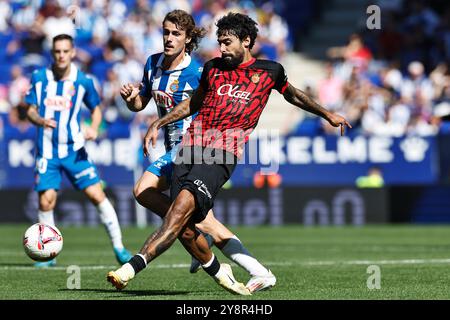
[
  {"x": 168, "y": 88},
  {"x": 61, "y": 100}
]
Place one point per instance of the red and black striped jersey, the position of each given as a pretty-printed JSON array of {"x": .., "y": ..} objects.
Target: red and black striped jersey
[{"x": 234, "y": 100}]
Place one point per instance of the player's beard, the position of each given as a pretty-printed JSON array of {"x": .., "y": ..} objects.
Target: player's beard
[{"x": 232, "y": 61}]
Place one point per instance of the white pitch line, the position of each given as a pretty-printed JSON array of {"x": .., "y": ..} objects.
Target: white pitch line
[
  {"x": 298, "y": 263},
  {"x": 368, "y": 262}
]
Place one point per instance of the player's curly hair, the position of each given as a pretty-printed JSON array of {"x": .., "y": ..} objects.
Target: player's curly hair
[
  {"x": 239, "y": 25},
  {"x": 184, "y": 21}
]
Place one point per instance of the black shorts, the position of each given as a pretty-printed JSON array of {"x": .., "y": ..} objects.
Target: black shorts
[{"x": 203, "y": 177}]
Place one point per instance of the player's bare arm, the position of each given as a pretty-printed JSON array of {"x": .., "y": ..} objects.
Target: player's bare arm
[
  {"x": 300, "y": 99},
  {"x": 130, "y": 93},
  {"x": 91, "y": 132},
  {"x": 36, "y": 119},
  {"x": 184, "y": 109}
]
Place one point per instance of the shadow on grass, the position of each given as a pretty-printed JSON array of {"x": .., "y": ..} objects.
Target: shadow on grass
[{"x": 137, "y": 293}]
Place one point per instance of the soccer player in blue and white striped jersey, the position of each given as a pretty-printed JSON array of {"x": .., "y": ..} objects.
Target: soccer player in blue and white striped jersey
[{"x": 54, "y": 103}]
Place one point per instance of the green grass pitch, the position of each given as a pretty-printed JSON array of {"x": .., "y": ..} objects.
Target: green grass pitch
[{"x": 310, "y": 263}]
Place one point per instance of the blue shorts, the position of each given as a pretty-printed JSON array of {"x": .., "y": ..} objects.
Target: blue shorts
[
  {"x": 80, "y": 171},
  {"x": 163, "y": 167}
]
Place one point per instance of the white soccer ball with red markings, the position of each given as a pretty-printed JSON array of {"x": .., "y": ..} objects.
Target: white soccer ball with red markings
[{"x": 42, "y": 242}]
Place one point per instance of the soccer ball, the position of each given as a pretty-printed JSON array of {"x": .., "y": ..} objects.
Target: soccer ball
[{"x": 42, "y": 242}]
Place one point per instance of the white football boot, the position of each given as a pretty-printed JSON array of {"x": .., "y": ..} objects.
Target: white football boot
[
  {"x": 260, "y": 283},
  {"x": 226, "y": 280},
  {"x": 121, "y": 276}
]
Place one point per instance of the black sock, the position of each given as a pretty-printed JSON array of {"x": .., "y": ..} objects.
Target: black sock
[
  {"x": 213, "y": 268},
  {"x": 138, "y": 263}
]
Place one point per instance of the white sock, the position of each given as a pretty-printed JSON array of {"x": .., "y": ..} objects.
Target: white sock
[
  {"x": 234, "y": 250},
  {"x": 109, "y": 219},
  {"x": 206, "y": 265},
  {"x": 46, "y": 217},
  {"x": 220, "y": 273},
  {"x": 126, "y": 272}
]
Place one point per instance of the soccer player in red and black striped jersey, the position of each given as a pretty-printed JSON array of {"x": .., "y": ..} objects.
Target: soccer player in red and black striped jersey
[
  {"x": 174, "y": 74},
  {"x": 233, "y": 92}
]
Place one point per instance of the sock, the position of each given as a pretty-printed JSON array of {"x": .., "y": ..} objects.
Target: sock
[
  {"x": 46, "y": 217},
  {"x": 126, "y": 272},
  {"x": 138, "y": 263},
  {"x": 109, "y": 219},
  {"x": 209, "y": 239},
  {"x": 212, "y": 266},
  {"x": 234, "y": 250}
]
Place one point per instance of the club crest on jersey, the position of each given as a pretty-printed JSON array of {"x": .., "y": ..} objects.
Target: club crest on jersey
[
  {"x": 255, "y": 78},
  {"x": 174, "y": 86},
  {"x": 72, "y": 90},
  {"x": 58, "y": 103}
]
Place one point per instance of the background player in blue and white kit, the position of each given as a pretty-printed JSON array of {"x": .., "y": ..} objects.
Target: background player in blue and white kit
[
  {"x": 54, "y": 102},
  {"x": 169, "y": 78}
]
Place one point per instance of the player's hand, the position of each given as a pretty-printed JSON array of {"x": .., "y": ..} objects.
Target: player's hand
[
  {"x": 129, "y": 91},
  {"x": 151, "y": 135},
  {"x": 49, "y": 123},
  {"x": 90, "y": 133},
  {"x": 338, "y": 121}
]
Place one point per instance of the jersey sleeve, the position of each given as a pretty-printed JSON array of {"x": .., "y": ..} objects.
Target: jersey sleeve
[
  {"x": 194, "y": 81},
  {"x": 146, "y": 90},
  {"x": 205, "y": 75},
  {"x": 91, "y": 98},
  {"x": 281, "y": 81},
  {"x": 31, "y": 97},
  {"x": 199, "y": 72}
]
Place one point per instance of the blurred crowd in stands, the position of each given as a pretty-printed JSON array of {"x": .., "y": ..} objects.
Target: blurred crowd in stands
[
  {"x": 393, "y": 81},
  {"x": 113, "y": 40}
]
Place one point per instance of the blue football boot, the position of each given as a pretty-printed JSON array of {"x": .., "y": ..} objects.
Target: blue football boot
[
  {"x": 122, "y": 255},
  {"x": 45, "y": 264}
]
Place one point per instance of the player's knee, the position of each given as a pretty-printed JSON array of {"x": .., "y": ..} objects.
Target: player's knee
[
  {"x": 137, "y": 191},
  {"x": 214, "y": 228},
  {"x": 140, "y": 188},
  {"x": 47, "y": 203},
  {"x": 205, "y": 227},
  {"x": 141, "y": 197},
  {"x": 180, "y": 212},
  {"x": 177, "y": 218}
]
